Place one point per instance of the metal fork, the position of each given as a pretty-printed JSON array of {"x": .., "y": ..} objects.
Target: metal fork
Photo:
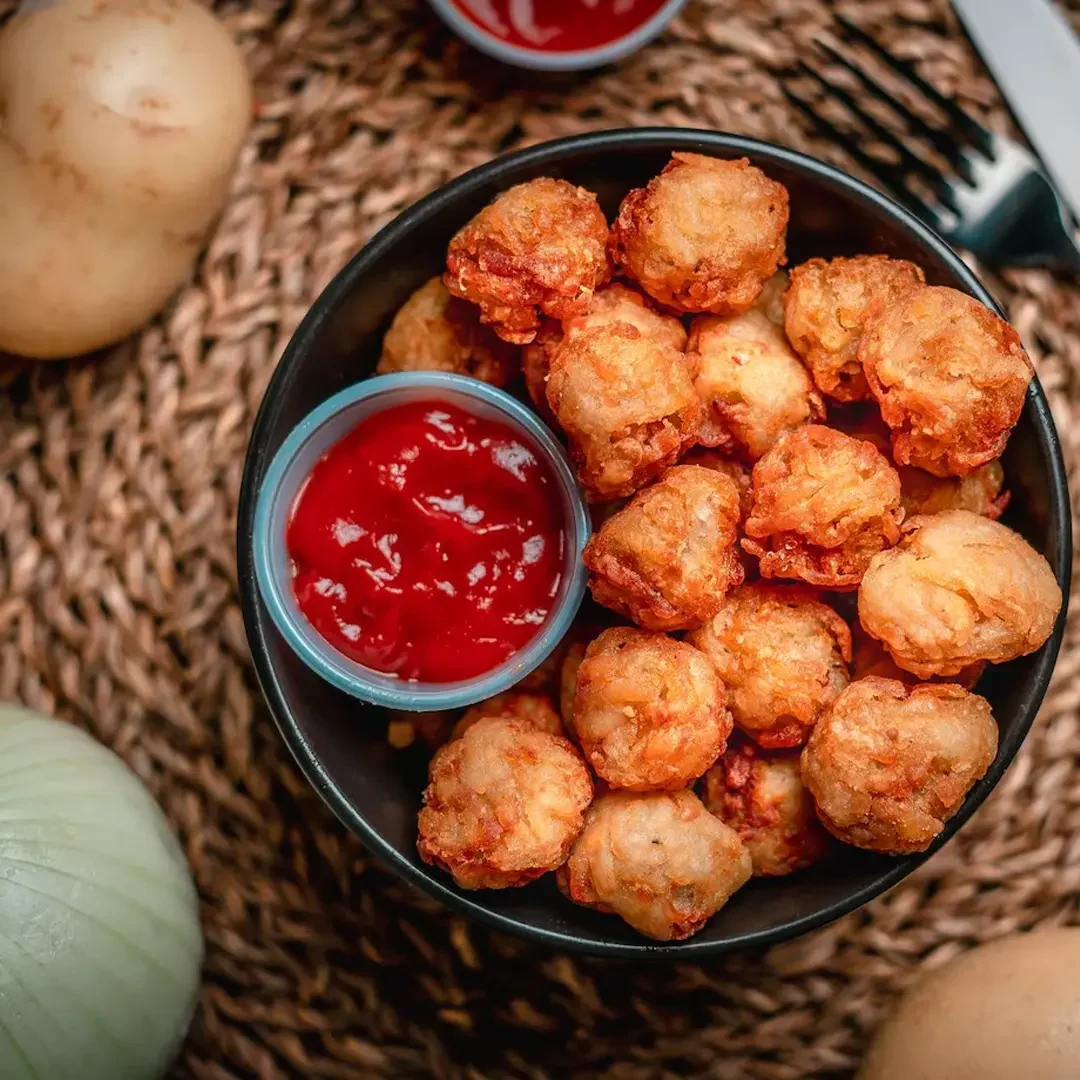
[{"x": 997, "y": 202}]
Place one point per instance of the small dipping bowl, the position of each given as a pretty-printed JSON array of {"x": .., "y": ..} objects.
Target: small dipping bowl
[{"x": 285, "y": 478}]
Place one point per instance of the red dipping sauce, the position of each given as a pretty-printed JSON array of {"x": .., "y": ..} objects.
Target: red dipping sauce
[
  {"x": 428, "y": 543},
  {"x": 559, "y": 25}
]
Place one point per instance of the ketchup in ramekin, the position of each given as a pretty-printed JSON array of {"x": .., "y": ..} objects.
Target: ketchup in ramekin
[{"x": 428, "y": 543}]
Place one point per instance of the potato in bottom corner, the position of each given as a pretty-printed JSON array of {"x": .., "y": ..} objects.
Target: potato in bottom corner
[{"x": 658, "y": 860}]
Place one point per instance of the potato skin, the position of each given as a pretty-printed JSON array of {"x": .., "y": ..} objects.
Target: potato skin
[
  {"x": 658, "y": 860},
  {"x": 704, "y": 235},
  {"x": 540, "y": 247},
  {"x": 504, "y": 803},
  {"x": 609, "y": 304},
  {"x": 761, "y": 795},
  {"x": 950, "y": 377},
  {"x": 822, "y": 504},
  {"x": 959, "y": 588},
  {"x": 889, "y": 764},
  {"x": 627, "y": 405},
  {"x": 648, "y": 710},
  {"x": 434, "y": 331},
  {"x": 753, "y": 385},
  {"x": 666, "y": 559},
  {"x": 825, "y": 307},
  {"x": 535, "y": 709},
  {"x": 782, "y": 656}
]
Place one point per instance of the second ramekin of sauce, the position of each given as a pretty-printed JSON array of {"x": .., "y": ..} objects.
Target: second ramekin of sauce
[{"x": 418, "y": 541}]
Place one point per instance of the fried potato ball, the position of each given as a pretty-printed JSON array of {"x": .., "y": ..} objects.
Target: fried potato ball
[
  {"x": 889, "y": 764},
  {"x": 949, "y": 375},
  {"x": 648, "y": 710},
  {"x": 822, "y": 504},
  {"x": 826, "y": 304},
  {"x": 771, "y": 300},
  {"x": 870, "y": 657},
  {"x": 658, "y": 860},
  {"x": 753, "y": 386},
  {"x": 503, "y": 805},
  {"x": 536, "y": 710},
  {"x": 610, "y": 304},
  {"x": 958, "y": 588},
  {"x": 782, "y": 656},
  {"x": 920, "y": 492},
  {"x": 627, "y": 404},
  {"x": 761, "y": 795},
  {"x": 704, "y": 235},
  {"x": 434, "y": 331},
  {"x": 738, "y": 471},
  {"x": 540, "y": 247},
  {"x": 667, "y": 558},
  {"x": 568, "y": 681}
]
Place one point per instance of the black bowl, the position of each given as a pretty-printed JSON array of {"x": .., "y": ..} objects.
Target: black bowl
[{"x": 341, "y": 745}]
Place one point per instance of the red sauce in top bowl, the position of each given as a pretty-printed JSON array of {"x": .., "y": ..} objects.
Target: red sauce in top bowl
[
  {"x": 428, "y": 543},
  {"x": 559, "y": 25}
]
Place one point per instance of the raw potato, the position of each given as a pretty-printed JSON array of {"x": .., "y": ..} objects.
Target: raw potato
[
  {"x": 121, "y": 124},
  {"x": 1003, "y": 1011}
]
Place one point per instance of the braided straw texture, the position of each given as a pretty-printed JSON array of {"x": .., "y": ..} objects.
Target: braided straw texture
[{"x": 118, "y": 609}]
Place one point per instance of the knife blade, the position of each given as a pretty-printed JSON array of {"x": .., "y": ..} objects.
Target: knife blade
[{"x": 1034, "y": 55}]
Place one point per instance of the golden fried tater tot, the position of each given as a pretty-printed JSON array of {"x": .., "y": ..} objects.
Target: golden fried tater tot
[
  {"x": 870, "y": 657},
  {"x": 761, "y": 795},
  {"x": 824, "y": 309},
  {"x": 704, "y": 235},
  {"x": 658, "y": 860},
  {"x": 782, "y": 656},
  {"x": 822, "y": 504},
  {"x": 753, "y": 385},
  {"x": 648, "y": 710},
  {"x": 610, "y": 304},
  {"x": 504, "y": 804},
  {"x": 667, "y": 558},
  {"x": 536, "y": 710},
  {"x": 959, "y": 588},
  {"x": 434, "y": 331},
  {"x": 538, "y": 248},
  {"x": 949, "y": 375},
  {"x": 889, "y": 764},
  {"x": 627, "y": 404}
]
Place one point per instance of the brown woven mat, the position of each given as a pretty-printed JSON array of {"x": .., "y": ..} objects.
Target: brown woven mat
[{"x": 118, "y": 485}]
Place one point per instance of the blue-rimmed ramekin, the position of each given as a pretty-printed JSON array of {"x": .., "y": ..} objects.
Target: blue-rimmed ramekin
[{"x": 290, "y": 468}]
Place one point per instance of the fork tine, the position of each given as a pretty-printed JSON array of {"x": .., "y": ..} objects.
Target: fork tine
[
  {"x": 975, "y": 132},
  {"x": 886, "y": 174},
  {"x": 940, "y": 140},
  {"x": 908, "y": 160}
]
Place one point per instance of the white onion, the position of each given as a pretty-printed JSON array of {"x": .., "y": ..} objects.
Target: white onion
[{"x": 100, "y": 945}]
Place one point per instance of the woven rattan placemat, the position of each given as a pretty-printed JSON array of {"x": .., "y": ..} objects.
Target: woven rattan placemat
[{"x": 118, "y": 610}]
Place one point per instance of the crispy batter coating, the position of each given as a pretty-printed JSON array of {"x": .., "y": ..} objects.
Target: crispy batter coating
[
  {"x": 870, "y": 657},
  {"x": 434, "y": 331},
  {"x": 824, "y": 310},
  {"x": 782, "y": 656},
  {"x": 536, "y": 710},
  {"x": 610, "y": 304},
  {"x": 648, "y": 710},
  {"x": 504, "y": 804},
  {"x": 658, "y": 860},
  {"x": 920, "y": 492},
  {"x": 761, "y": 795},
  {"x": 949, "y": 375},
  {"x": 627, "y": 404},
  {"x": 753, "y": 385},
  {"x": 822, "y": 504},
  {"x": 889, "y": 764},
  {"x": 568, "y": 681},
  {"x": 540, "y": 247},
  {"x": 704, "y": 235},
  {"x": 771, "y": 300},
  {"x": 738, "y": 471},
  {"x": 958, "y": 588},
  {"x": 668, "y": 557}
]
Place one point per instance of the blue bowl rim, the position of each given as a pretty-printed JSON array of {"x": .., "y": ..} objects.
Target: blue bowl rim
[
  {"x": 345, "y": 675},
  {"x": 622, "y": 139}
]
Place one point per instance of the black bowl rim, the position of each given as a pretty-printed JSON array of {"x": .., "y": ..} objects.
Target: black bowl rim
[{"x": 650, "y": 138}]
